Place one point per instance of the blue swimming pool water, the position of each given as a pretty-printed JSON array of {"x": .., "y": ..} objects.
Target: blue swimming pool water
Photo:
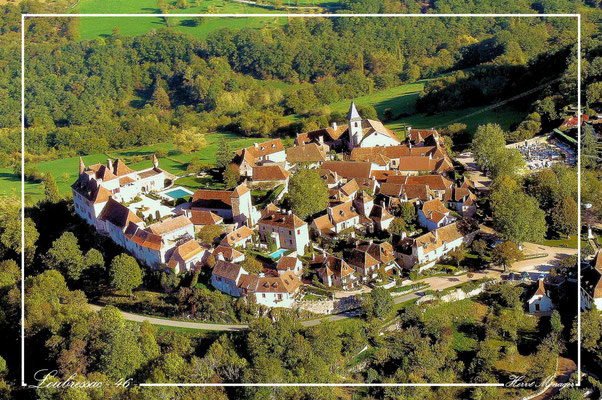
[
  {"x": 277, "y": 254},
  {"x": 176, "y": 194}
]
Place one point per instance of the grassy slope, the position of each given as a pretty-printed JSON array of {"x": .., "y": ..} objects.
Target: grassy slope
[
  {"x": 92, "y": 27},
  {"x": 175, "y": 163},
  {"x": 402, "y": 101}
]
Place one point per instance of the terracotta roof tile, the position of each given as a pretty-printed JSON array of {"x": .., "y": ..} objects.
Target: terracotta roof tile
[
  {"x": 118, "y": 214},
  {"x": 270, "y": 173},
  {"x": 306, "y": 153}
]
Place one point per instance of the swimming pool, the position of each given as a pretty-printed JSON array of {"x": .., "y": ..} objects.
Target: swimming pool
[
  {"x": 277, "y": 254},
  {"x": 178, "y": 193}
]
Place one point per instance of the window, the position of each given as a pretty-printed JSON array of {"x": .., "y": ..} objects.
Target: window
[
  {"x": 263, "y": 295},
  {"x": 356, "y": 124},
  {"x": 536, "y": 306},
  {"x": 298, "y": 231}
]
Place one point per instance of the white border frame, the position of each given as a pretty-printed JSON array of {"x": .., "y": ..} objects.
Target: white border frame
[{"x": 288, "y": 15}]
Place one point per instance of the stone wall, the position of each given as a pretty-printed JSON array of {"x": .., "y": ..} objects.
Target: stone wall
[
  {"x": 328, "y": 306},
  {"x": 454, "y": 295}
]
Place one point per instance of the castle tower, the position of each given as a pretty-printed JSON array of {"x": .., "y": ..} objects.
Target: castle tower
[
  {"x": 355, "y": 126},
  {"x": 82, "y": 166}
]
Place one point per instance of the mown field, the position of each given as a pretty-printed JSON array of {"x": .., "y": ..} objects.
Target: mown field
[
  {"x": 65, "y": 170},
  {"x": 92, "y": 27}
]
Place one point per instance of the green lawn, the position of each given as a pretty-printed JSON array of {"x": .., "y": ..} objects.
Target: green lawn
[
  {"x": 175, "y": 163},
  {"x": 92, "y": 27},
  {"x": 570, "y": 242}
]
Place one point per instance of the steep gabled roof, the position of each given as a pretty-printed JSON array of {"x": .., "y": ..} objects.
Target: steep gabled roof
[
  {"x": 282, "y": 219},
  {"x": 143, "y": 237},
  {"x": 287, "y": 263},
  {"x": 362, "y": 259},
  {"x": 435, "y": 239},
  {"x": 203, "y": 217},
  {"x": 238, "y": 235},
  {"x": 350, "y": 187},
  {"x": 306, "y": 153},
  {"x": 270, "y": 172},
  {"x": 343, "y": 212},
  {"x": 349, "y": 169},
  {"x": 170, "y": 225},
  {"x": 118, "y": 214},
  {"x": 227, "y": 270},
  {"x": 120, "y": 169},
  {"x": 229, "y": 253}
]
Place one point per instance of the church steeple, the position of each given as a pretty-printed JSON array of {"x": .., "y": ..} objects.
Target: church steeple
[
  {"x": 355, "y": 126},
  {"x": 353, "y": 115},
  {"x": 82, "y": 166}
]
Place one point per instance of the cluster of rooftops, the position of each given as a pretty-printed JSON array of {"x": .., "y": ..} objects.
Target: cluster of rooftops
[{"x": 373, "y": 173}]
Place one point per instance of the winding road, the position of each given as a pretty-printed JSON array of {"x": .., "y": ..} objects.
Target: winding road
[{"x": 241, "y": 327}]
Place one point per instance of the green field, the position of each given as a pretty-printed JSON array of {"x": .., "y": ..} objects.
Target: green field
[
  {"x": 92, "y": 27},
  {"x": 175, "y": 163},
  {"x": 402, "y": 102}
]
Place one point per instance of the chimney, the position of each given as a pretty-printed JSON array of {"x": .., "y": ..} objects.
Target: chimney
[
  {"x": 82, "y": 166},
  {"x": 110, "y": 164},
  {"x": 403, "y": 235},
  {"x": 436, "y": 234},
  {"x": 334, "y": 126},
  {"x": 256, "y": 145},
  {"x": 155, "y": 161}
]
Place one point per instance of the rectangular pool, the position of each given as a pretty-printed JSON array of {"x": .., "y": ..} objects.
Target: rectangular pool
[
  {"x": 277, "y": 254},
  {"x": 178, "y": 193}
]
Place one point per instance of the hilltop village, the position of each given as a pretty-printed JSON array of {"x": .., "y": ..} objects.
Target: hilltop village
[{"x": 370, "y": 173}]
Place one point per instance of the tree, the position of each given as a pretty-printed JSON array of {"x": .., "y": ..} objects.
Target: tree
[
  {"x": 161, "y": 152},
  {"x": 398, "y": 226},
  {"x": 161, "y": 99},
  {"x": 231, "y": 176},
  {"x": 519, "y": 219},
  {"x": 458, "y": 255},
  {"x": 51, "y": 190},
  {"x": 208, "y": 233},
  {"x": 307, "y": 193},
  {"x": 378, "y": 303},
  {"x": 125, "y": 273},
  {"x": 188, "y": 141},
  {"x": 564, "y": 216},
  {"x": 94, "y": 259},
  {"x": 224, "y": 154},
  {"x": 412, "y": 73},
  {"x": 251, "y": 265},
  {"x": 479, "y": 246},
  {"x": 589, "y": 147},
  {"x": 407, "y": 211},
  {"x": 65, "y": 256},
  {"x": 487, "y": 145},
  {"x": 505, "y": 254}
]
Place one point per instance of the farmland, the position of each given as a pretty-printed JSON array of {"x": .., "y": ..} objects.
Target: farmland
[{"x": 92, "y": 27}]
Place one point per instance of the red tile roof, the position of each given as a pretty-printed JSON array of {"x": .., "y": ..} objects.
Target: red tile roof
[{"x": 270, "y": 173}]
